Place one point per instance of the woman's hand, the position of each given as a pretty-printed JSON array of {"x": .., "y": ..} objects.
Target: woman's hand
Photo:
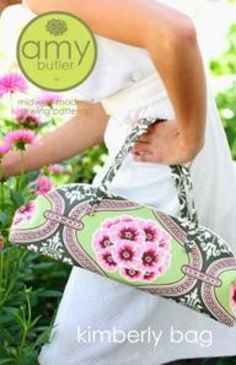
[{"x": 165, "y": 143}]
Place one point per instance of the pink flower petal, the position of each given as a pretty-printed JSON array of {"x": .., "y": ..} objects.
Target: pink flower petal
[
  {"x": 48, "y": 99},
  {"x": 4, "y": 148},
  {"x": 11, "y": 83},
  {"x": 44, "y": 185},
  {"x": 20, "y": 137}
]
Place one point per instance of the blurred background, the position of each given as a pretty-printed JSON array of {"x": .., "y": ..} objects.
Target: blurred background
[{"x": 31, "y": 286}]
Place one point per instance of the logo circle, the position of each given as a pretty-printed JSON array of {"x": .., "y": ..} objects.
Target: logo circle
[{"x": 57, "y": 51}]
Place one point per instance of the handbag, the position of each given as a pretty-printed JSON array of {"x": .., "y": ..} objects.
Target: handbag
[{"x": 170, "y": 256}]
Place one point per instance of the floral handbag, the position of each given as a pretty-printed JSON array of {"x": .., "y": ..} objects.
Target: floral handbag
[{"x": 170, "y": 256}]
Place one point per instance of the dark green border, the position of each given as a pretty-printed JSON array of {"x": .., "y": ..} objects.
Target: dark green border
[{"x": 34, "y": 20}]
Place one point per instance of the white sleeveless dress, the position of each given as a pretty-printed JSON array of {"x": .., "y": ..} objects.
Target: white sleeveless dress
[{"x": 91, "y": 302}]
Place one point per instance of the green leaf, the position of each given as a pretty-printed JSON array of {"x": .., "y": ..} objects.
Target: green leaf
[
  {"x": 3, "y": 218},
  {"x": 17, "y": 199}
]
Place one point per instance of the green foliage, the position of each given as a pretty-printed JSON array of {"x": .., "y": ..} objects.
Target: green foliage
[
  {"x": 226, "y": 99},
  {"x": 27, "y": 303},
  {"x": 226, "y": 64}
]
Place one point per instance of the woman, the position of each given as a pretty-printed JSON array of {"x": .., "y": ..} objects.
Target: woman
[{"x": 159, "y": 66}]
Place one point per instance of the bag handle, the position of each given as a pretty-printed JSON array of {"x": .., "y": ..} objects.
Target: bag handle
[{"x": 180, "y": 173}]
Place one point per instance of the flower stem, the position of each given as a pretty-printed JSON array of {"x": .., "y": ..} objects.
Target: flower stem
[
  {"x": 2, "y": 199},
  {"x": 22, "y": 168},
  {"x": 1, "y": 276}
]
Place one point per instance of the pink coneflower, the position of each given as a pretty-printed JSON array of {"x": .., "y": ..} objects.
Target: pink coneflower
[
  {"x": 20, "y": 138},
  {"x": 44, "y": 185},
  {"x": 106, "y": 260},
  {"x": 49, "y": 99},
  {"x": 101, "y": 240},
  {"x": 26, "y": 118},
  {"x": 12, "y": 83},
  {"x": 4, "y": 148},
  {"x": 233, "y": 296}
]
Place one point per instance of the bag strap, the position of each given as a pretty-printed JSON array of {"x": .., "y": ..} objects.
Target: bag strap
[{"x": 180, "y": 173}]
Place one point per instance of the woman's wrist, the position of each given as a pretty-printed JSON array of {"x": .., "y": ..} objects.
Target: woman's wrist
[
  {"x": 191, "y": 143},
  {"x": 8, "y": 165}
]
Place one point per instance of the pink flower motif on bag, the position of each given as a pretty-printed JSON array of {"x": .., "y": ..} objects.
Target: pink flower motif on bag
[
  {"x": 107, "y": 261},
  {"x": 151, "y": 232},
  {"x": 131, "y": 274},
  {"x": 24, "y": 213},
  {"x": 152, "y": 257},
  {"x": 233, "y": 296},
  {"x": 139, "y": 249},
  {"x": 102, "y": 240},
  {"x": 110, "y": 222},
  {"x": 127, "y": 254},
  {"x": 149, "y": 275},
  {"x": 127, "y": 231}
]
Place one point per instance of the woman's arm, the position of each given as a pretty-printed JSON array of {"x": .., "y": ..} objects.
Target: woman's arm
[
  {"x": 81, "y": 132},
  {"x": 5, "y": 3},
  {"x": 171, "y": 40}
]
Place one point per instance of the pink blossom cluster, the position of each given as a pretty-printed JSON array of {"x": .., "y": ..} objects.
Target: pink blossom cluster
[
  {"x": 18, "y": 138},
  {"x": 137, "y": 248}
]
